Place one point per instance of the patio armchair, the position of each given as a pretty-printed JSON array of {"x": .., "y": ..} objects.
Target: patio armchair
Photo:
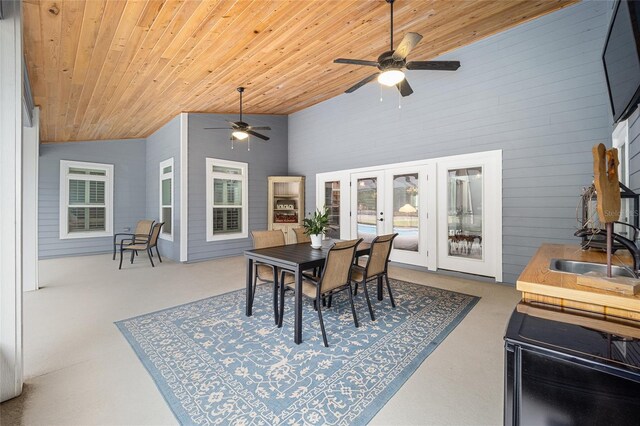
[
  {"x": 301, "y": 237},
  {"x": 375, "y": 268},
  {"x": 140, "y": 234},
  {"x": 134, "y": 245},
  {"x": 336, "y": 277},
  {"x": 266, "y": 273}
]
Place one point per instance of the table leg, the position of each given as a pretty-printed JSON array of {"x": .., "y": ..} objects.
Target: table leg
[
  {"x": 276, "y": 286},
  {"x": 379, "y": 288},
  {"x": 297, "y": 337},
  {"x": 249, "y": 288}
]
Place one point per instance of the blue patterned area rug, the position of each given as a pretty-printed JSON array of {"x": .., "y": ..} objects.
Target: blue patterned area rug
[{"x": 214, "y": 365}]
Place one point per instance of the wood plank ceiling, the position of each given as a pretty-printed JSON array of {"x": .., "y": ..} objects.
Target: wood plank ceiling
[{"x": 110, "y": 69}]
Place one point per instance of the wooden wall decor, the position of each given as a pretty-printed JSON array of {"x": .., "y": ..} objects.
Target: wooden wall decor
[{"x": 109, "y": 69}]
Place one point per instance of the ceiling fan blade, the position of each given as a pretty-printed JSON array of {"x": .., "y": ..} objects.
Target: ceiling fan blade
[
  {"x": 355, "y": 62},
  {"x": 433, "y": 65},
  {"x": 258, "y": 135},
  {"x": 361, "y": 83},
  {"x": 259, "y": 128},
  {"x": 216, "y": 128},
  {"x": 404, "y": 88},
  {"x": 406, "y": 46}
]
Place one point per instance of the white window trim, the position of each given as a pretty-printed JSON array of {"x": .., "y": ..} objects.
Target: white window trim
[
  {"x": 64, "y": 198},
  {"x": 166, "y": 163},
  {"x": 244, "y": 177}
]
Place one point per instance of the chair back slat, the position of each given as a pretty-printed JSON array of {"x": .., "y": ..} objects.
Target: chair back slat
[
  {"x": 338, "y": 265},
  {"x": 301, "y": 237},
  {"x": 379, "y": 254},
  {"x": 264, "y": 239},
  {"x": 155, "y": 231},
  {"x": 143, "y": 227}
]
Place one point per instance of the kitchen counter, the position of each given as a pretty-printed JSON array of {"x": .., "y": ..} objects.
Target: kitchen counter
[{"x": 541, "y": 285}]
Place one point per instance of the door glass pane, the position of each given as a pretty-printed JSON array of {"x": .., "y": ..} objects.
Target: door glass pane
[
  {"x": 332, "y": 202},
  {"x": 405, "y": 211},
  {"x": 464, "y": 212},
  {"x": 367, "y": 208},
  {"x": 166, "y": 192}
]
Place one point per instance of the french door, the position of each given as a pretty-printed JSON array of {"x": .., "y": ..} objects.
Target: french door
[
  {"x": 447, "y": 211},
  {"x": 469, "y": 191},
  {"x": 394, "y": 201}
]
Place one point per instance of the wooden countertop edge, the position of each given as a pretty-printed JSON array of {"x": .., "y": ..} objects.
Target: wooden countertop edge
[{"x": 562, "y": 285}]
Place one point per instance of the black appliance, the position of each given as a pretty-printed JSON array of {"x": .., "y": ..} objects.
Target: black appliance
[
  {"x": 621, "y": 58},
  {"x": 560, "y": 373}
]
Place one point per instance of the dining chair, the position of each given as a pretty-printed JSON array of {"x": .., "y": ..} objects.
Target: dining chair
[
  {"x": 134, "y": 245},
  {"x": 376, "y": 267},
  {"x": 141, "y": 234},
  {"x": 336, "y": 277},
  {"x": 263, "y": 272},
  {"x": 301, "y": 237}
]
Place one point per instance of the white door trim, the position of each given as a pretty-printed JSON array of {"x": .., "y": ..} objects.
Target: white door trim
[
  {"x": 184, "y": 185},
  {"x": 11, "y": 370}
]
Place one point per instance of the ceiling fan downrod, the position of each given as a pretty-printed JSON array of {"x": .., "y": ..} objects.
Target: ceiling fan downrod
[{"x": 391, "y": 4}]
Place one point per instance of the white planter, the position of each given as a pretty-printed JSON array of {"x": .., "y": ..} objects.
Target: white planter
[{"x": 316, "y": 240}]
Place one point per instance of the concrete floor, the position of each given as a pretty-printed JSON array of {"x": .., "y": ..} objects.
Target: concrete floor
[{"x": 80, "y": 370}]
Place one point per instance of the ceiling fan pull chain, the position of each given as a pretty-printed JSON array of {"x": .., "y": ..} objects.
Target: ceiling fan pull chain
[
  {"x": 399, "y": 100},
  {"x": 249, "y": 144},
  {"x": 231, "y": 143},
  {"x": 380, "y": 85}
]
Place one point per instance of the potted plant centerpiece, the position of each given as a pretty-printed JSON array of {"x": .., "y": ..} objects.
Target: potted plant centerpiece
[{"x": 316, "y": 225}]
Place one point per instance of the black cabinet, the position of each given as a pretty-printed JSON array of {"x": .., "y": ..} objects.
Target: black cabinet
[{"x": 558, "y": 373}]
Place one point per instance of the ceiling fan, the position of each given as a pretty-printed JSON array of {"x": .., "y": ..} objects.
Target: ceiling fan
[
  {"x": 391, "y": 63},
  {"x": 240, "y": 129}
]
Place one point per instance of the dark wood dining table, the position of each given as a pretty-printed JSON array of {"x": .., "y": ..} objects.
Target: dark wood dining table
[{"x": 294, "y": 258}]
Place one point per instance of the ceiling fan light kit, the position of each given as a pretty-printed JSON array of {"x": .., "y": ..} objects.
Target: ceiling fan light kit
[
  {"x": 390, "y": 77},
  {"x": 239, "y": 134},
  {"x": 391, "y": 63}
]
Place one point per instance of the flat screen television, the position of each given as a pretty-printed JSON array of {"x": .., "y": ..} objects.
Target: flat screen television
[{"x": 621, "y": 58}]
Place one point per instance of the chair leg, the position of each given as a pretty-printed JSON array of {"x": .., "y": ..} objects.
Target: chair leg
[
  {"x": 324, "y": 333},
  {"x": 355, "y": 290},
  {"x": 393, "y": 303},
  {"x": 366, "y": 295},
  {"x": 276, "y": 287},
  {"x": 120, "y": 266},
  {"x": 330, "y": 300},
  {"x": 151, "y": 251},
  {"x": 353, "y": 308},
  {"x": 255, "y": 282},
  {"x": 150, "y": 258},
  {"x": 133, "y": 253},
  {"x": 159, "y": 258},
  {"x": 114, "y": 248},
  {"x": 281, "y": 308}
]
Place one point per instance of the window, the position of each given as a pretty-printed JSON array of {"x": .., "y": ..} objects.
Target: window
[
  {"x": 86, "y": 200},
  {"x": 166, "y": 199},
  {"x": 227, "y": 210}
]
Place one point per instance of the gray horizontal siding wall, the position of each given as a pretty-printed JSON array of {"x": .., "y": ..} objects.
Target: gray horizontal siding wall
[
  {"x": 536, "y": 91},
  {"x": 265, "y": 159},
  {"x": 634, "y": 150},
  {"x": 162, "y": 145},
  {"x": 128, "y": 158}
]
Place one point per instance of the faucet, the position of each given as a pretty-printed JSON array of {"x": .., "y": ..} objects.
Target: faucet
[{"x": 627, "y": 243}]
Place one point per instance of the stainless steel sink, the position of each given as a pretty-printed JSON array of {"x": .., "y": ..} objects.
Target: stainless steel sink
[{"x": 577, "y": 267}]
